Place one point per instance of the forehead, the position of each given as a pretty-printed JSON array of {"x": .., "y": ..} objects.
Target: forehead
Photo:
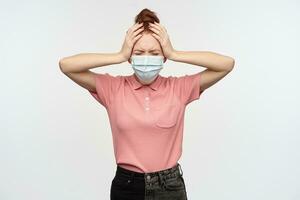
[{"x": 147, "y": 42}]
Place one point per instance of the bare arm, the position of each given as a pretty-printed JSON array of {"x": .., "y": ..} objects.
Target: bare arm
[
  {"x": 85, "y": 61},
  {"x": 218, "y": 66},
  {"x": 77, "y": 67}
]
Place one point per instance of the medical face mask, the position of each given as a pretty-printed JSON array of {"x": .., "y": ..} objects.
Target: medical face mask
[{"x": 147, "y": 68}]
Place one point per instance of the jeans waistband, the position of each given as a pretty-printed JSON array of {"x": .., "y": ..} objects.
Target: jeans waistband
[{"x": 173, "y": 170}]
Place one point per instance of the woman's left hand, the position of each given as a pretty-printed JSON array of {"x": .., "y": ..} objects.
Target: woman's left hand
[{"x": 160, "y": 33}]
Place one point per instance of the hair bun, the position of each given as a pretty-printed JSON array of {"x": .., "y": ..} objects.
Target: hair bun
[{"x": 146, "y": 16}]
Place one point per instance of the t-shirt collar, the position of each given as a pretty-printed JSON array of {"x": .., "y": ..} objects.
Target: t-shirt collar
[{"x": 136, "y": 84}]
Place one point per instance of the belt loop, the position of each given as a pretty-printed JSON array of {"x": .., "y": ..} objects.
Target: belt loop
[
  {"x": 161, "y": 180},
  {"x": 132, "y": 176}
]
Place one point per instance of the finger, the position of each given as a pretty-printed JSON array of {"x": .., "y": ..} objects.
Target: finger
[
  {"x": 164, "y": 28},
  {"x": 134, "y": 33},
  {"x": 137, "y": 25},
  {"x": 158, "y": 24},
  {"x": 155, "y": 30},
  {"x": 134, "y": 27},
  {"x": 136, "y": 38},
  {"x": 157, "y": 37},
  {"x": 156, "y": 27},
  {"x": 137, "y": 32}
]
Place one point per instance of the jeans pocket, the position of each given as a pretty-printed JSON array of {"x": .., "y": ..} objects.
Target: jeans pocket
[
  {"x": 175, "y": 184},
  {"x": 122, "y": 182}
]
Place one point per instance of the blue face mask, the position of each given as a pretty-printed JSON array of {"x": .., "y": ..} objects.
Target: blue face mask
[{"x": 147, "y": 68}]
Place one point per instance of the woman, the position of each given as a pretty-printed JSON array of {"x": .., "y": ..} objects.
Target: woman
[{"x": 145, "y": 109}]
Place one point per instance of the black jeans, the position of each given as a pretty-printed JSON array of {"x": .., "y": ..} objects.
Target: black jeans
[{"x": 166, "y": 184}]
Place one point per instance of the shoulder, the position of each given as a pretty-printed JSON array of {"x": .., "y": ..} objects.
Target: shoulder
[
  {"x": 109, "y": 77},
  {"x": 108, "y": 80}
]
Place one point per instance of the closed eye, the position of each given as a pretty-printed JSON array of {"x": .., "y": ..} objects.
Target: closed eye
[{"x": 152, "y": 54}]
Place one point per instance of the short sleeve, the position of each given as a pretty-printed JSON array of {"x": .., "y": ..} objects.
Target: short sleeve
[
  {"x": 188, "y": 87},
  {"x": 106, "y": 87}
]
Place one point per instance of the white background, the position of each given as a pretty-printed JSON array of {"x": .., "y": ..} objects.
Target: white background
[{"x": 241, "y": 138}]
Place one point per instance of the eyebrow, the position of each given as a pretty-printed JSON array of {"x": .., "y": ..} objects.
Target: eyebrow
[{"x": 149, "y": 51}]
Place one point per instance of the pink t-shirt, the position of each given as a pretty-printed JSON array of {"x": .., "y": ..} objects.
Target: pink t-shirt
[{"x": 146, "y": 120}]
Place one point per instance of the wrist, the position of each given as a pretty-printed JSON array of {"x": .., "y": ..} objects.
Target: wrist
[
  {"x": 173, "y": 55},
  {"x": 120, "y": 57}
]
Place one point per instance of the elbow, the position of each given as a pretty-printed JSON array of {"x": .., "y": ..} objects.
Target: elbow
[
  {"x": 230, "y": 64},
  {"x": 62, "y": 65}
]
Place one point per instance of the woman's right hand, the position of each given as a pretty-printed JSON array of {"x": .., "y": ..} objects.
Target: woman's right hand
[{"x": 132, "y": 35}]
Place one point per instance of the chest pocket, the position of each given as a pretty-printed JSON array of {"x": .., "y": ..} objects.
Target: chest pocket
[{"x": 166, "y": 116}]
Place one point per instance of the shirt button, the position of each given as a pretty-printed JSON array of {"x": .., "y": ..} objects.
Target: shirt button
[
  {"x": 147, "y": 98},
  {"x": 148, "y": 177},
  {"x": 147, "y": 108}
]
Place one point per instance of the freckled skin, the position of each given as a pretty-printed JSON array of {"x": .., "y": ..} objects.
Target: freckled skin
[{"x": 144, "y": 46}]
